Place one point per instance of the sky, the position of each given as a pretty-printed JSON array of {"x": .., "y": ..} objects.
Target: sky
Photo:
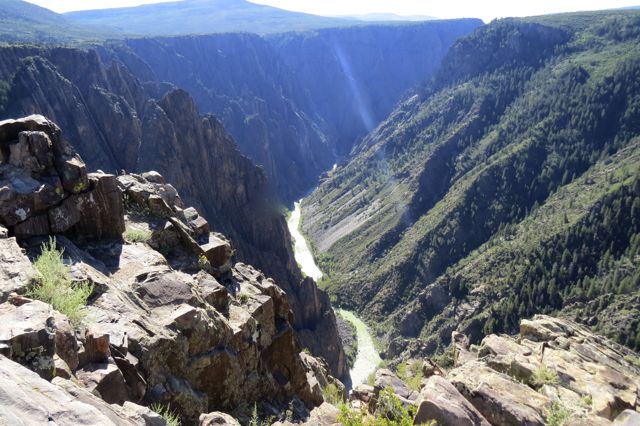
[{"x": 486, "y": 10}]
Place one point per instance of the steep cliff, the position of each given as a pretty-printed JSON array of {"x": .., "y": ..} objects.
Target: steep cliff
[
  {"x": 491, "y": 194},
  {"x": 296, "y": 102},
  {"x": 355, "y": 76},
  {"x": 169, "y": 318},
  {"x": 115, "y": 126}
]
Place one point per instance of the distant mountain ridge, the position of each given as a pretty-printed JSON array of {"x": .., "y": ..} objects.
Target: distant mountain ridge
[
  {"x": 373, "y": 17},
  {"x": 21, "y": 21},
  {"x": 203, "y": 17}
]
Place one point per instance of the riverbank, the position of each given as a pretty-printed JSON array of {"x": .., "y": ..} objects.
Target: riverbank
[{"x": 367, "y": 358}]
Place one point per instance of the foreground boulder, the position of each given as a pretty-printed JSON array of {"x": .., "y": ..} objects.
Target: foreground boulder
[{"x": 27, "y": 399}]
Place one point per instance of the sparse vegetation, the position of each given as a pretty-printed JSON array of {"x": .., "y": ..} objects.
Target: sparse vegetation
[
  {"x": 167, "y": 414},
  {"x": 544, "y": 376},
  {"x": 55, "y": 286},
  {"x": 445, "y": 360},
  {"x": 332, "y": 394},
  {"x": 633, "y": 360},
  {"x": 243, "y": 297},
  {"x": 411, "y": 374},
  {"x": 558, "y": 414},
  {"x": 135, "y": 235}
]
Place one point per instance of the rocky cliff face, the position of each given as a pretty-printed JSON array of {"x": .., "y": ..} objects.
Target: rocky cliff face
[
  {"x": 243, "y": 81},
  {"x": 170, "y": 320},
  {"x": 296, "y": 102},
  {"x": 116, "y": 126},
  {"x": 358, "y": 74}
]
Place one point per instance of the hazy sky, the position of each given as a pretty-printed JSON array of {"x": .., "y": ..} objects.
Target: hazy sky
[{"x": 487, "y": 9}]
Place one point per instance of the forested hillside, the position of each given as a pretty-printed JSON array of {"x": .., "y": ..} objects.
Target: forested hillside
[{"x": 508, "y": 186}]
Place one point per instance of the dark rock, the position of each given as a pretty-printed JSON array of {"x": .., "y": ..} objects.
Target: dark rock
[
  {"x": 105, "y": 381},
  {"x": 101, "y": 209}
]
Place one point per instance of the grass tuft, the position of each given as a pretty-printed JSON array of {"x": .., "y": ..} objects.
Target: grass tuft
[
  {"x": 169, "y": 416},
  {"x": 55, "y": 286},
  {"x": 544, "y": 376},
  {"x": 134, "y": 235},
  {"x": 558, "y": 414}
]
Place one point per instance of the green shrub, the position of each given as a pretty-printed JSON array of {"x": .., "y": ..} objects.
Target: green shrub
[
  {"x": 169, "y": 416},
  {"x": 557, "y": 414},
  {"x": 332, "y": 394},
  {"x": 244, "y": 297},
  {"x": 134, "y": 235},
  {"x": 633, "y": 360},
  {"x": 445, "y": 360},
  {"x": 390, "y": 410},
  {"x": 411, "y": 374},
  {"x": 55, "y": 287},
  {"x": 544, "y": 376}
]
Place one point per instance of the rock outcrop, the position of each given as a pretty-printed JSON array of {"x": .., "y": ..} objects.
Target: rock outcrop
[
  {"x": 171, "y": 319},
  {"x": 555, "y": 372},
  {"x": 553, "y": 368},
  {"x": 115, "y": 124},
  {"x": 27, "y": 399}
]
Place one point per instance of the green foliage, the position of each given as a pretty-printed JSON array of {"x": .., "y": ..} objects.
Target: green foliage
[
  {"x": 55, "y": 286},
  {"x": 544, "y": 376},
  {"x": 558, "y": 414},
  {"x": 411, "y": 374},
  {"x": 633, "y": 360},
  {"x": 389, "y": 412},
  {"x": 165, "y": 412},
  {"x": 135, "y": 235},
  {"x": 445, "y": 360},
  {"x": 513, "y": 174},
  {"x": 243, "y": 297},
  {"x": 332, "y": 394}
]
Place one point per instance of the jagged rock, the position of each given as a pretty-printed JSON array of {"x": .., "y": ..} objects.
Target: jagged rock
[
  {"x": 66, "y": 345},
  {"x": 364, "y": 393},
  {"x": 27, "y": 336},
  {"x": 217, "y": 251},
  {"x": 16, "y": 273},
  {"x": 104, "y": 380},
  {"x": 500, "y": 399},
  {"x": 441, "y": 401},
  {"x": 45, "y": 188},
  {"x": 63, "y": 217},
  {"x": 27, "y": 399},
  {"x": 213, "y": 292},
  {"x": 385, "y": 378},
  {"x": 217, "y": 419},
  {"x": 95, "y": 346},
  {"x": 101, "y": 209}
]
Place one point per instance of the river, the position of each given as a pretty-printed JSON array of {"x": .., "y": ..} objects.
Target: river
[{"x": 367, "y": 358}]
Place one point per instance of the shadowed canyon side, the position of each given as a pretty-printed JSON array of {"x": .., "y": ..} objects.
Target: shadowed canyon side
[
  {"x": 116, "y": 126},
  {"x": 261, "y": 88},
  {"x": 491, "y": 194}
]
